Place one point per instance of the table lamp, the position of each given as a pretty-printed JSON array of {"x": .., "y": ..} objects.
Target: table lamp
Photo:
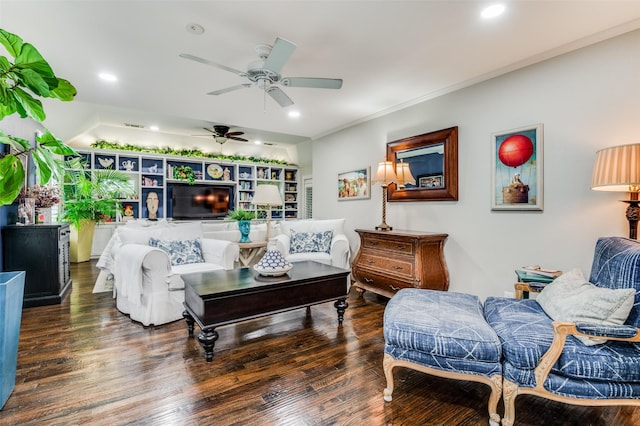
[
  {"x": 403, "y": 171},
  {"x": 385, "y": 176},
  {"x": 267, "y": 195},
  {"x": 618, "y": 169}
]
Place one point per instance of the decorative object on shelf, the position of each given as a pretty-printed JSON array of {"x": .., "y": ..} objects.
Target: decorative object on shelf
[
  {"x": 105, "y": 162},
  {"x": 214, "y": 171},
  {"x": 517, "y": 169},
  {"x": 43, "y": 215},
  {"x": 354, "y": 184},
  {"x": 27, "y": 211},
  {"x": 433, "y": 161},
  {"x": 403, "y": 171},
  {"x": 268, "y": 196},
  {"x": 617, "y": 169},
  {"x": 128, "y": 165},
  {"x": 154, "y": 168},
  {"x": 260, "y": 173},
  {"x": 152, "y": 205},
  {"x": 385, "y": 175},
  {"x": 184, "y": 173},
  {"x": 45, "y": 196},
  {"x": 128, "y": 212},
  {"x": 273, "y": 264},
  {"x": 244, "y": 218},
  {"x": 226, "y": 174}
]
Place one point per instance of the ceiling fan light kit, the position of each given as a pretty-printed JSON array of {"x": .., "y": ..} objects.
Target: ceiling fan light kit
[{"x": 264, "y": 73}]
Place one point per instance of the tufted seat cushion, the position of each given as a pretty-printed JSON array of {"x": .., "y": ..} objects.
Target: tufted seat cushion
[{"x": 439, "y": 325}]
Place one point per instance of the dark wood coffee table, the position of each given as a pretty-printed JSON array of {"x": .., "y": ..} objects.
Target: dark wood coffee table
[{"x": 217, "y": 298}]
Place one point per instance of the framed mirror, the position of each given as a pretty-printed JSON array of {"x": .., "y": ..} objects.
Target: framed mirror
[{"x": 429, "y": 163}]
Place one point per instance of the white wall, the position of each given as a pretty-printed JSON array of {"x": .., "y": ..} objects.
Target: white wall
[{"x": 587, "y": 100}]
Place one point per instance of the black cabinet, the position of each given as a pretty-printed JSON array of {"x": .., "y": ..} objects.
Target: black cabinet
[{"x": 43, "y": 252}]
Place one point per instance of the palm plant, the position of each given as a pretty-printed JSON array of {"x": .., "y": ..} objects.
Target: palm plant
[{"x": 93, "y": 197}]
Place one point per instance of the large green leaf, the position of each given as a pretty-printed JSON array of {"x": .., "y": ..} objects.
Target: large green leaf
[
  {"x": 32, "y": 106},
  {"x": 11, "y": 42},
  {"x": 63, "y": 91},
  {"x": 29, "y": 57},
  {"x": 11, "y": 178},
  {"x": 34, "y": 82},
  {"x": 44, "y": 162},
  {"x": 54, "y": 144},
  {"x": 5, "y": 65}
]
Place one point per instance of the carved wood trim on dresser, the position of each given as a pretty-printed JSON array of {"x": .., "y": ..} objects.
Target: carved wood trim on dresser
[{"x": 390, "y": 260}]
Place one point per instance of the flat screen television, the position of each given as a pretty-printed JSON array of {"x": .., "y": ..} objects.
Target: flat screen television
[{"x": 200, "y": 201}]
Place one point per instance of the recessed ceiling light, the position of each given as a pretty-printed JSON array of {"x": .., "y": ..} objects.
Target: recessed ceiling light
[
  {"x": 154, "y": 128},
  {"x": 258, "y": 142},
  {"x": 294, "y": 114},
  {"x": 196, "y": 29},
  {"x": 107, "y": 77},
  {"x": 492, "y": 11}
]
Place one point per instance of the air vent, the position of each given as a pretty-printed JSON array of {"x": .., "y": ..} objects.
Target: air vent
[{"x": 135, "y": 126}]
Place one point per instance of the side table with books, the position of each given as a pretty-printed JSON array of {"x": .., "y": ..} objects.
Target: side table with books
[{"x": 532, "y": 279}]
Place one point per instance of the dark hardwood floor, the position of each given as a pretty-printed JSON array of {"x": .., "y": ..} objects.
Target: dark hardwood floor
[{"x": 83, "y": 362}]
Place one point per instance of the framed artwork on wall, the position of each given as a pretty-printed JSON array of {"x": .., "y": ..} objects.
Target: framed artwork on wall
[
  {"x": 517, "y": 169},
  {"x": 354, "y": 184}
]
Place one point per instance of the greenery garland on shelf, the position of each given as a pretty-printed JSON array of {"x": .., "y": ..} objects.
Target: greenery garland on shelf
[{"x": 102, "y": 144}]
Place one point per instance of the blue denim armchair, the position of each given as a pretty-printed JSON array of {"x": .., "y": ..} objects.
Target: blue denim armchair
[{"x": 543, "y": 358}]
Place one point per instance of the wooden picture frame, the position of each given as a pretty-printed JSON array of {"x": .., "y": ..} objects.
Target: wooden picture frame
[
  {"x": 354, "y": 184},
  {"x": 517, "y": 169},
  {"x": 433, "y": 160}
]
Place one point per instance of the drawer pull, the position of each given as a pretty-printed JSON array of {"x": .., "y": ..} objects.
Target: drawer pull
[
  {"x": 371, "y": 261},
  {"x": 400, "y": 247},
  {"x": 397, "y": 267},
  {"x": 394, "y": 288},
  {"x": 368, "y": 280},
  {"x": 373, "y": 243}
]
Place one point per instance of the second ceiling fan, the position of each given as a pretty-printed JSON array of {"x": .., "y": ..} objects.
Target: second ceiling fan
[{"x": 264, "y": 73}]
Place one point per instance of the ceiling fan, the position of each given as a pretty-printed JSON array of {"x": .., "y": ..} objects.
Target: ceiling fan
[
  {"x": 264, "y": 72},
  {"x": 221, "y": 134}
]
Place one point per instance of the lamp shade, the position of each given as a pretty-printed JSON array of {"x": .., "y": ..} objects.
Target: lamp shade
[
  {"x": 617, "y": 169},
  {"x": 404, "y": 175},
  {"x": 385, "y": 173},
  {"x": 267, "y": 195}
]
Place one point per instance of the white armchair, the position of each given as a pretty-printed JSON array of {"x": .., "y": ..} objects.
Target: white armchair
[
  {"x": 338, "y": 253},
  {"x": 147, "y": 281}
]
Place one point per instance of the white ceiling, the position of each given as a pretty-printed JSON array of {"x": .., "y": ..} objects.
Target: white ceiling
[{"x": 390, "y": 54}]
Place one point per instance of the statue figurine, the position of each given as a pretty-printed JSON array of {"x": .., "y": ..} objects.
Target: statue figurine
[{"x": 152, "y": 205}]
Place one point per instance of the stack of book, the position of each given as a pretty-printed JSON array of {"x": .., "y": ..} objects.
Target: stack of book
[{"x": 537, "y": 276}]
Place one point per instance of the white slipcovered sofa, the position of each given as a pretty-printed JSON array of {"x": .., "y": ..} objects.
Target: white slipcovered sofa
[
  {"x": 147, "y": 282},
  {"x": 323, "y": 241}
]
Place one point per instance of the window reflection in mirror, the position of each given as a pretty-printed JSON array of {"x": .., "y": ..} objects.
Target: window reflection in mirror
[{"x": 426, "y": 166}]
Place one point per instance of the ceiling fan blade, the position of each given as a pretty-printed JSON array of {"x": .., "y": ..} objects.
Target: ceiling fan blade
[
  {"x": 317, "y": 83},
  {"x": 213, "y": 64},
  {"x": 209, "y": 130},
  {"x": 236, "y": 138},
  {"x": 235, "y": 133},
  {"x": 229, "y": 89},
  {"x": 279, "y": 96},
  {"x": 280, "y": 54}
]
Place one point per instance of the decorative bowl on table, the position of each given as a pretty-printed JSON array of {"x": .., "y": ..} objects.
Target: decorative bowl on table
[{"x": 272, "y": 264}]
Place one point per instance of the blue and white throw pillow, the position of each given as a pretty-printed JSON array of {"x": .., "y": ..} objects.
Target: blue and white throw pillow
[
  {"x": 310, "y": 242},
  {"x": 181, "y": 252}
]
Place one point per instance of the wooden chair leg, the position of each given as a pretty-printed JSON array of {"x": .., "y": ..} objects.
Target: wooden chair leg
[
  {"x": 509, "y": 394},
  {"x": 387, "y": 365}
]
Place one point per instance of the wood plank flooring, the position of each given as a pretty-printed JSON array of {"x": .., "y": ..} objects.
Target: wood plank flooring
[{"x": 83, "y": 362}]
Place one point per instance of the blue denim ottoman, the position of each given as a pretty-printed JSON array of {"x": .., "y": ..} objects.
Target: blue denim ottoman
[{"x": 443, "y": 334}]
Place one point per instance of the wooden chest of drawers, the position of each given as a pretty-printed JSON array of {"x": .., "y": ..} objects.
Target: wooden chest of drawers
[{"x": 390, "y": 260}]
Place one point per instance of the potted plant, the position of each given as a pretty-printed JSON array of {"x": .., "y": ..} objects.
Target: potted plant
[
  {"x": 22, "y": 80},
  {"x": 89, "y": 199},
  {"x": 45, "y": 196},
  {"x": 244, "y": 218},
  {"x": 185, "y": 173}
]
